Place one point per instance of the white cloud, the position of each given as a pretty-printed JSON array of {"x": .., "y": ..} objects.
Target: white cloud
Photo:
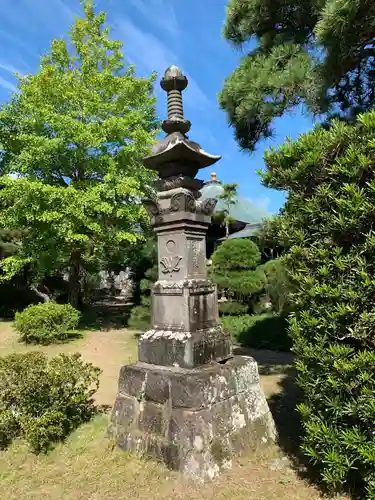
[
  {"x": 159, "y": 12},
  {"x": 149, "y": 54},
  {"x": 203, "y": 136},
  {"x": 9, "y": 68},
  {"x": 23, "y": 20},
  {"x": 6, "y": 84},
  {"x": 262, "y": 202},
  {"x": 69, "y": 13},
  {"x": 31, "y": 16}
]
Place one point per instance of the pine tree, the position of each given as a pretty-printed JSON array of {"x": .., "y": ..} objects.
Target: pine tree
[
  {"x": 316, "y": 53},
  {"x": 75, "y": 135}
]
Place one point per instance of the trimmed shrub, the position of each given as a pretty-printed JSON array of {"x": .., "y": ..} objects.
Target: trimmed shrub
[
  {"x": 327, "y": 231},
  {"x": 140, "y": 316},
  {"x": 263, "y": 331},
  {"x": 47, "y": 323},
  {"x": 232, "y": 308},
  {"x": 234, "y": 268},
  {"x": 44, "y": 400}
]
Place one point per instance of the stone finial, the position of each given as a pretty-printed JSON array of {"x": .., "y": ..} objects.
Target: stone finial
[
  {"x": 213, "y": 177},
  {"x": 174, "y": 83}
]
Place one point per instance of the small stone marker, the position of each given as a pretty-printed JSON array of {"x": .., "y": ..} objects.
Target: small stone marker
[{"x": 187, "y": 401}]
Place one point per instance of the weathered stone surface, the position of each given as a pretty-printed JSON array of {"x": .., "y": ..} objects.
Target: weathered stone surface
[
  {"x": 187, "y": 401},
  {"x": 184, "y": 349},
  {"x": 193, "y": 420},
  {"x": 184, "y": 388}
]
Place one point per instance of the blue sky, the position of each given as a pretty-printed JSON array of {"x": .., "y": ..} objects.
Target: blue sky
[{"x": 156, "y": 34}]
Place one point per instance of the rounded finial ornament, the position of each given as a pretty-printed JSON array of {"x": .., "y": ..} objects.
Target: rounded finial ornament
[
  {"x": 173, "y": 79},
  {"x": 172, "y": 72}
]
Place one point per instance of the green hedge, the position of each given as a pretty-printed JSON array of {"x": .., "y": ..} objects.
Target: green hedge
[
  {"x": 232, "y": 308},
  {"x": 263, "y": 331},
  {"x": 327, "y": 229}
]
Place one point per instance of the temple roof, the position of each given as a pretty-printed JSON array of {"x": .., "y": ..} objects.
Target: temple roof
[{"x": 242, "y": 210}]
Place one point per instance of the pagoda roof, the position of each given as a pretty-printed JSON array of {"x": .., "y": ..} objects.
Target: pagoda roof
[
  {"x": 243, "y": 210},
  {"x": 177, "y": 147}
]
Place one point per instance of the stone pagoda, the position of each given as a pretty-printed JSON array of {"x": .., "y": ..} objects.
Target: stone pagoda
[{"x": 187, "y": 401}]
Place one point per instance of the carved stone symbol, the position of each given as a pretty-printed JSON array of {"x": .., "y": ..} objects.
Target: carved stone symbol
[
  {"x": 170, "y": 264},
  {"x": 208, "y": 206},
  {"x": 184, "y": 202},
  {"x": 195, "y": 254},
  {"x": 171, "y": 246},
  {"x": 152, "y": 208}
]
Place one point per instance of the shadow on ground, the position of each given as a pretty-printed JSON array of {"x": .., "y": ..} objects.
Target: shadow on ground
[
  {"x": 266, "y": 331},
  {"x": 283, "y": 403},
  {"x": 269, "y": 362},
  {"x": 105, "y": 315}
]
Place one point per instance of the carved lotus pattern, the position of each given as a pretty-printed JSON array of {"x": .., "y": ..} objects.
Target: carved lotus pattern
[{"x": 170, "y": 264}]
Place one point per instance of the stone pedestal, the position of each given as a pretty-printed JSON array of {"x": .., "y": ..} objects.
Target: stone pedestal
[
  {"x": 194, "y": 420},
  {"x": 187, "y": 401}
]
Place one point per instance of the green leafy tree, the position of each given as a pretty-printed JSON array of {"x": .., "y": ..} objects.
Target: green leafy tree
[
  {"x": 75, "y": 134},
  {"x": 142, "y": 264},
  {"x": 315, "y": 53},
  {"x": 327, "y": 232},
  {"x": 229, "y": 197},
  {"x": 9, "y": 243}
]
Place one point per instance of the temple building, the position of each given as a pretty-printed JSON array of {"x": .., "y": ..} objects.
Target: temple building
[{"x": 247, "y": 217}]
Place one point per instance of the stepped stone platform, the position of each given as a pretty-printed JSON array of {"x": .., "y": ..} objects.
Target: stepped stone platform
[{"x": 194, "y": 420}]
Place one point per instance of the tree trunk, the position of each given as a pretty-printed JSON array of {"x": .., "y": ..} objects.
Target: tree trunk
[
  {"x": 43, "y": 296},
  {"x": 74, "y": 288},
  {"x": 226, "y": 229}
]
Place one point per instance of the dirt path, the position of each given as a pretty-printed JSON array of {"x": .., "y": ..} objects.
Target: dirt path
[{"x": 109, "y": 350}]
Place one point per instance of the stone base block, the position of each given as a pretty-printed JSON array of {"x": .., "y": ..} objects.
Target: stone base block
[
  {"x": 196, "y": 420},
  {"x": 184, "y": 349}
]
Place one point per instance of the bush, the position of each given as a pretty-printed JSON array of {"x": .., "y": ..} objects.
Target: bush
[
  {"x": 46, "y": 323},
  {"x": 145, "y": 272},
  {"x": 43, "y": 400},
  {"x": 140, "y": 316},
  {"x": 327, "y": 232},
  {"x": 232, "y": 308},
  {"x": 234, "y": 267},
  {"x": 277, "y": 286},
  {"x": 263, "y": 331}
]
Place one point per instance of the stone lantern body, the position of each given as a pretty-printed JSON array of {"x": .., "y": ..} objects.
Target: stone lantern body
[{"x": 188, "y": 400}]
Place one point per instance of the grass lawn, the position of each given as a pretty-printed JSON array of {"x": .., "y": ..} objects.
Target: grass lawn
[{"x": 87, "y": 467}]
